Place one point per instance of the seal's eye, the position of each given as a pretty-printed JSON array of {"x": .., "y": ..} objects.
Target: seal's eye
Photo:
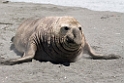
[
  {"x": 80, "y": 28},
  {"x": 66, "y": 28}
]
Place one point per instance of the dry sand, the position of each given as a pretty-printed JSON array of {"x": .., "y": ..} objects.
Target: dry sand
[{"x": 103, "y": 30}]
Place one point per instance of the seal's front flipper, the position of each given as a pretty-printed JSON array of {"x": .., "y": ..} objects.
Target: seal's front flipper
[
  {"x": 27, "y": 56},
  {"x": 90, "y": 51}
]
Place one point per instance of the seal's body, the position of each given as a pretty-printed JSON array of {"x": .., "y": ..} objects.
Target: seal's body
[{"x": 58, "y": 39}]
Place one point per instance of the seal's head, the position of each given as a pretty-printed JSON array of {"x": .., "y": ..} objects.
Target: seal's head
[{"x": 71, "y": 29}]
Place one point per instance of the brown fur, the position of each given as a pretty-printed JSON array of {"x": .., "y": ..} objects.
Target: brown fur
[{"x": 32, "y": 31}]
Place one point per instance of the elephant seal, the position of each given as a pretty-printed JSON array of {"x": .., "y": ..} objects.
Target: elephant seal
[{"x": 57, "y": 39}]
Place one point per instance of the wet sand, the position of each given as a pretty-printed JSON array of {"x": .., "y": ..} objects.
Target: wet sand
[{"x": 103, "y": 30}]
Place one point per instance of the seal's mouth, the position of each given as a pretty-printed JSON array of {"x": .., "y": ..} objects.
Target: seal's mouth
[
  {"x": 70, "y": 40},
  {"x": 73, "y": 40}
]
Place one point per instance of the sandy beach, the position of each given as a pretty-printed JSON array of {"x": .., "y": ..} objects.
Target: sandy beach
[{"x": 103, "y": 30}]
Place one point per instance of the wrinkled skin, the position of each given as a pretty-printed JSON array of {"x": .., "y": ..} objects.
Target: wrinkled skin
[{"x": 57, "y": 39}]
